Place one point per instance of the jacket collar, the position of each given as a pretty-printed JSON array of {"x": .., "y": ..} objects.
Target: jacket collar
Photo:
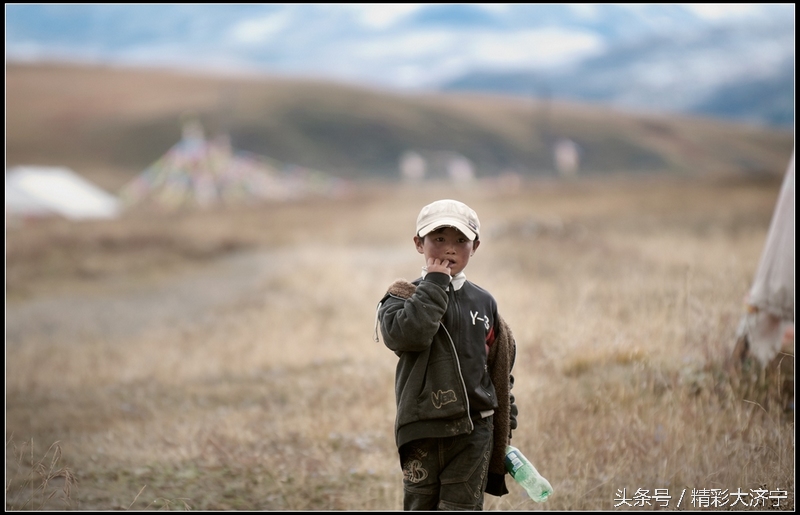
[{"x": 457, "y": 281}]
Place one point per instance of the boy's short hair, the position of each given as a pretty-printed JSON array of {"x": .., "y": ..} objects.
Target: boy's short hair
[{"x": 448, "y": 213}]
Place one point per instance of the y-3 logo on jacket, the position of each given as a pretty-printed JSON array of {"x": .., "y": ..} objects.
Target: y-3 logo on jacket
[
  {"x": 441, "y": 398},
  {"x": 485, "y": 319}
]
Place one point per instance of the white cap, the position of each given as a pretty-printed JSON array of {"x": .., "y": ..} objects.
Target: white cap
[{"x": 448, "y": 213}]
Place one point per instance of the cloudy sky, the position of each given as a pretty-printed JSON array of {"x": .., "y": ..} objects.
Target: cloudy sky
[{"x": 393, "y": 45}]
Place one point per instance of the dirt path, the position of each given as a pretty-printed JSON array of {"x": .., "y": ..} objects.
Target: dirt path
[{"x": 123, "y": 309}]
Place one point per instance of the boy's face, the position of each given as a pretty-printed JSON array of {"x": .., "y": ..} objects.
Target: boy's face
[{"x": 447, "y": 247}]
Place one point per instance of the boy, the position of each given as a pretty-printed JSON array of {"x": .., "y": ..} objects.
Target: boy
[{"x": 455, "y": 410}]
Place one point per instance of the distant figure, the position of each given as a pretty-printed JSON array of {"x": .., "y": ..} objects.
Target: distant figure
[
  {"x": 412, "y": 166},
  {"x": 455, "y": 410},
  {"x": 192, "y": 130},
  {"x": 460, "y": 170},
  {"x": 567, "y": 157}
]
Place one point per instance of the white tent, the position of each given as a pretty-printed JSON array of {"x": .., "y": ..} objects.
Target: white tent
[
  {"x": 768, "y": 326},
  {"x": 35, "y": 191}
]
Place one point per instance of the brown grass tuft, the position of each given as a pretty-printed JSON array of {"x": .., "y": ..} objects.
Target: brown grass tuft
[{"x": 32, "y": 483}]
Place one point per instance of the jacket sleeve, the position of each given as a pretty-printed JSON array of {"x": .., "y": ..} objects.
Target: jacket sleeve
[{"x": 409, "y": 325}]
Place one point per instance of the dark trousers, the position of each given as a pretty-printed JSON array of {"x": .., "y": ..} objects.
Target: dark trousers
[{"x": 447, "y": 473}]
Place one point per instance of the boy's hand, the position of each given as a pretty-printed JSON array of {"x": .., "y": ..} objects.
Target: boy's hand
[{"x": 438, "y": 265}]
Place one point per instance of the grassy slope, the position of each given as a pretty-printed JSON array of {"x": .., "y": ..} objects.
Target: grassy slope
[{"x": 109, "y": 124}]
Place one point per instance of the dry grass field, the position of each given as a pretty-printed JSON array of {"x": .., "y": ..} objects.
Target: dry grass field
[{"x": 225, "y": 360}]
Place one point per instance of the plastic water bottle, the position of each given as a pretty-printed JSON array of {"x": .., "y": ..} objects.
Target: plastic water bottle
[{"x": 524, "y": 473}]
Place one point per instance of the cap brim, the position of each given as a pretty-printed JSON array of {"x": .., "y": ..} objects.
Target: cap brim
[{"x": 469, "y": 233}]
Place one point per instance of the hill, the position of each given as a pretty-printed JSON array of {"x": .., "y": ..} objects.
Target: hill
[{"x": 110, "y": 123}]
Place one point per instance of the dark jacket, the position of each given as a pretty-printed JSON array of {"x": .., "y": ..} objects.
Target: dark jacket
[{"x": 445, "y": 375}]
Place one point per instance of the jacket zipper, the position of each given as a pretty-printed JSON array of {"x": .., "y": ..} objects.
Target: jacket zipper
[{"x": 460, "y": 376}]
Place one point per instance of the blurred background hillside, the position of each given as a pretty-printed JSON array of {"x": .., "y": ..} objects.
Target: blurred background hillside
[
  {"x": 110, "y": 124},
  {"x": 361, "y": 91}
]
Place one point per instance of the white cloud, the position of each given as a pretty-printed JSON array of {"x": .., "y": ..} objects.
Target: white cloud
[
  {"x": 405, "y": 46},
  {"x": 381, "y": 16},
  {"x": 260, "y": 30},
  {"x": 721, "y": 11},
  {"x": 495, "y": 8},
  {"x": 585, "y": 11},
  {"x": 545, "y": 47},
  {"x": 423, "y": 58}
]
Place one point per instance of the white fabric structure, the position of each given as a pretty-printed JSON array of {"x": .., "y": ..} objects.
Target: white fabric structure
[
  {"x": 35, "y": 191},
  {"x": 770, "y": 316}
]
